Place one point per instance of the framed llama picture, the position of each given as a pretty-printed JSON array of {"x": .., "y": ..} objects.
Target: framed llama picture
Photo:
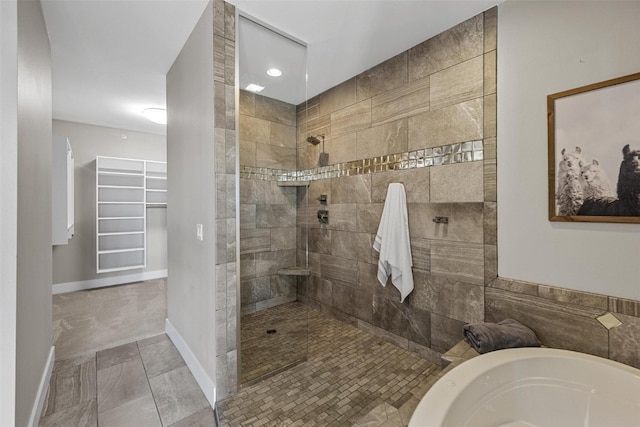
[{"x": 594, "y": 152}]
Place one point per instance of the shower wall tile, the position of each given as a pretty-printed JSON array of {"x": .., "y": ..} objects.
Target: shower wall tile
[
  {"x": 419, "y": 326},
  {"x": 247, "y": 104},
  {"x": 406, "y": 101},
  {"x": 277, "y": 195},
  {"x": 247, "y": 215},
  {"x": 490, "y": 121},
  {"x": 247, "y": 266},
  {"x": 351, "y": 189},
  {"x": 445, "y": 332},
  {"x": 252, "y": 191},
  {"x": 390, "y": 316},
  {"x": 229, "y": 21},
  {"x": 624, "y": 306},
  {"x": 314, "y": 191},
  {"x": 386, "y": 76},
  {"x": 270, "y": 216},
  {"x": 218, "y": 59},
  {"x": 320, "y": 240},
  {"x": 457, "y": 183},
  {"x": 248, "y": 153},
  {"x": 275, "y": 111},
  {"x": 268, "y": 263},
  {"x": 271, "y": 156},
  {"x": 490, "y": 73},
  {"x": 320, "y": 290},
  {"x": 339, "y": 269},
  {"x": 465, "y": 221},
  {"x": 351, "y": 119},
  {"x": 456, "y": 45},
  {"x": 283, "y": 135},
  {"x": 352, "y": 301},
  {"x": 557, "y": 325},
  {"x": 341, "y": 217},
  {"x": 415, "y": 181},
  {"x": 283, "y": 238},
  {"x": 376, "y": 141},
  {"x": 254, "y": 240},
  {"x": 421, "y": 253},
  {"x": 433, "y": 128},
  {"x": 338, "y": 97},
  {"x": 490, "y": 181},
  {"x": 490, "y": 149},
  {"x": 490, "y": 28},
  {"x": 457, "y": 84},
  {"x": 351, "y": 245},
  {"x": 254, "y": 129},
  {"x": 368, "y": 217},
  {"x": 283, "y": 286},
  {"x": 460, "y": 260},
  {"x": 230, "y": 152},
  {"x": 341, "y": 149},
  {"x": 490, "y": 224},
  {"x": 490, "y": 263}
]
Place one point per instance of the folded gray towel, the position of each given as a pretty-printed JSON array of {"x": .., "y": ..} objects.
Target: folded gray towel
[{"x": 509, "y": 333}]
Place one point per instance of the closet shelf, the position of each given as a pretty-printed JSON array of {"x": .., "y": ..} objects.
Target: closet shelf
[{"x": 294, "y": 271}]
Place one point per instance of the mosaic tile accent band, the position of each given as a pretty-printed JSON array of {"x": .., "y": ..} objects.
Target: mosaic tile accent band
[{"x": 470, "y": 151}]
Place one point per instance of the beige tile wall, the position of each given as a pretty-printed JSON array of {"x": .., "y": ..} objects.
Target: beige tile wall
[
  {"x": 267, "y": 212},
  {"x": 432, "y": 95},
  {"x": 226, "y": 334}
]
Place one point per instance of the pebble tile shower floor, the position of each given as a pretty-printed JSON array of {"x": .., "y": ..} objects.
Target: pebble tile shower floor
[{"x": 350, "y": 378}]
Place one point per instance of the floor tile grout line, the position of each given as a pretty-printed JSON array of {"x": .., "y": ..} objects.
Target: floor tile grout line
[{"x": 146, "y": 374}]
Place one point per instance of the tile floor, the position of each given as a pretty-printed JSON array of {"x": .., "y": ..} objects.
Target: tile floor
[
  {"x": 142, "y": 384},
  {"x": 350, "y": 378},
  {"x": 264, "y": 352}
]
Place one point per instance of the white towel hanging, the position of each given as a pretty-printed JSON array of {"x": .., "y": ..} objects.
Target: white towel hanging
[{"x": 393, "y": 243}]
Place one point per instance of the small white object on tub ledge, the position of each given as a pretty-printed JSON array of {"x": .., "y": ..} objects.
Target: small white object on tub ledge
[{"x": 609, "y": 321}]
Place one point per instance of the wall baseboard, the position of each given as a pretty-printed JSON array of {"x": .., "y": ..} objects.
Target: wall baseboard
[
  {"x": 36, "y": 411},
  {"x": 61, "y": 288},
  {"x": 207, "y": 385}
]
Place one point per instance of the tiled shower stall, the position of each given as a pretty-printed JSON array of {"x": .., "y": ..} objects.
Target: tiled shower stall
[{"x": 425, "y": 118}]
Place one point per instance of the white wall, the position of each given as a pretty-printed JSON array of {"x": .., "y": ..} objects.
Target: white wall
[
  {"x": 34, "y": 259},
  {"x": 76, "y": 261},
  {"x": 8, "y": 207},
  {"x": 544, "y": 48},
  {"x": 191, "y": 196}
]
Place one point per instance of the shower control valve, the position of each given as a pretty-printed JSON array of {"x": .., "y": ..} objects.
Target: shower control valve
[{"x": 323, "y": 216}]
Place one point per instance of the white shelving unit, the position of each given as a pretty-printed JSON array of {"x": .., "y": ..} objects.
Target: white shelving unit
[
  {"x": 156, "y": 183},
  {"x": 124, "y": 189}
]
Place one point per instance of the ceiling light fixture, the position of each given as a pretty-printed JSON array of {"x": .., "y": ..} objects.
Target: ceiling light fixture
[
  {"x": 156, "y": 115},
  {"x": 274, "y": 72},
  {"x": 254, "y": 87}
]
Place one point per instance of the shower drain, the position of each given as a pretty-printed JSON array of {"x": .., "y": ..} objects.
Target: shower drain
[{"x": 271, "y": 331}]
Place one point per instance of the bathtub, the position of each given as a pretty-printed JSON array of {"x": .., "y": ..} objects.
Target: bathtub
[{"x": 529, "y": 387}]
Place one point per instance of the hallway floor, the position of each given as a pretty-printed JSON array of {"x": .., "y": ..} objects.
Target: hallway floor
[
  {"x": 350, "y": 378},
  {"x": 143, "y": 384}
]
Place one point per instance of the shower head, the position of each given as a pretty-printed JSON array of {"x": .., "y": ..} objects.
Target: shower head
[{"x": 314, "y": 139}]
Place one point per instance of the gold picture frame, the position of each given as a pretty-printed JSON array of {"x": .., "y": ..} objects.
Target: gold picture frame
[{"x": 594, "y": 152}]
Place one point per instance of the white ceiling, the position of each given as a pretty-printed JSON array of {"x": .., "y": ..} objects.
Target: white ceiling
[{"x": 110, "y": 57}]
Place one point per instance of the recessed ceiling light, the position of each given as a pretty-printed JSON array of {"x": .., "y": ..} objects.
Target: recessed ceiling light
[
  {"x": 254, "y": 87},
  {"x": 156, "y": 115},
  {"x": 274, "y": 72}
]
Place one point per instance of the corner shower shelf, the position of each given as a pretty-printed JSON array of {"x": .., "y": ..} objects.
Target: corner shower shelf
[
  {"x": 293, "y": 183},
  {"x": 294, "y": 271}
]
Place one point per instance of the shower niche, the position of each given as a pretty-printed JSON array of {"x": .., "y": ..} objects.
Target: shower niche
[{"x": 273, "y": 238}]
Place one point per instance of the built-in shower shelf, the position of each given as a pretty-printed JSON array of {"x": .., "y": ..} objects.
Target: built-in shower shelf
[
  {"x": 293, "y": 183},
  {"x": 294, "y": 271}
]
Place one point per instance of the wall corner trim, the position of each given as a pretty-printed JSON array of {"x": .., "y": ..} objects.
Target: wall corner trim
[
  {"x": 207, "y": 385},
  {"x": 36, "y": 411},
  {"x": 61, "y": 288}
]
